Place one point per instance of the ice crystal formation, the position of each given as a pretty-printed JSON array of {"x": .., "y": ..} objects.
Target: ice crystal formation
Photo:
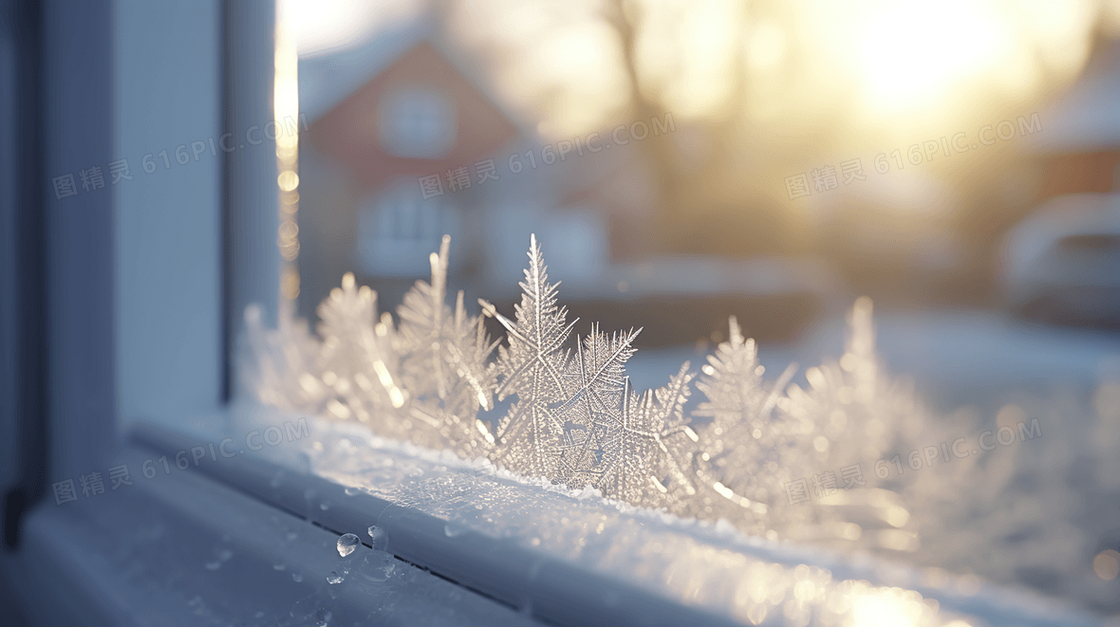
[
  {"x": 431, "y": 379},
  {"x": 548, "y": 404},
  {"x": 573, "y": 418}
]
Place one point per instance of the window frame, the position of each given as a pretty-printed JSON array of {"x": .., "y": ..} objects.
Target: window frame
[{"x": 22, "y": 268}]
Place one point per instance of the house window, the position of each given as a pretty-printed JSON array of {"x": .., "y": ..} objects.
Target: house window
[
  {"x": 398, "y": 230},
  {"x": 416, "y": 122}
]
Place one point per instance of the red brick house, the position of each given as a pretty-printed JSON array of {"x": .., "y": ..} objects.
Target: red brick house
[{"x": 384, "y": 117}]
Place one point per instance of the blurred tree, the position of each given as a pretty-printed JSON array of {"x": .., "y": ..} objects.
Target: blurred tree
[{"x": 704, "y": 201}]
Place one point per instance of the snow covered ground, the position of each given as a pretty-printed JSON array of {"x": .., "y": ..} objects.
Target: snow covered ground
[{"x": 956, "y": 357}]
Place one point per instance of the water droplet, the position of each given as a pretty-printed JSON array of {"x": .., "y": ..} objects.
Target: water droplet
[
  {"x": 379, "y": 538},
  {"x": 292, "y": 536},
  {"x": 213, "y": 565},
  {"x": 279, "y": 567},
  {"x": 347, "y": 543},
  {"x": 334, "y": 578},
  {"x": 225, "y": 554},
  {"x": 324, "y": 506},
  {"x": 296, "y": 577},
  {"x": 351, "y": 491}
]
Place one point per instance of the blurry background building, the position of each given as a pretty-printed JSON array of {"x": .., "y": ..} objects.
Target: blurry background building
[{"x": 783, "y": 157}]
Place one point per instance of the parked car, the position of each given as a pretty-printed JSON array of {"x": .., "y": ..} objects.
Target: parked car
[{"x": 1062, "y": 264}]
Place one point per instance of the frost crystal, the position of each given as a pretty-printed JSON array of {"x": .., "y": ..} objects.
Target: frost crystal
[
  {"x": 443, "y": 363},
  {"x": 674, "y": 448},
  {"x": 598, "y": 408},
  {"x": 533, "y": 367},
  {"x": 748, "y": 452},
  {"x": 357, "y": 362}
]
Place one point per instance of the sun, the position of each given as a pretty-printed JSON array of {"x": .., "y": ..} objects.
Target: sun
[{"x": 915, "y": 55}]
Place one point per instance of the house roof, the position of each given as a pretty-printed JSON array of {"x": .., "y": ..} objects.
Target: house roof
[
  {"x": 1087, "y": 117},
  {"x": 325, "y": 81}
]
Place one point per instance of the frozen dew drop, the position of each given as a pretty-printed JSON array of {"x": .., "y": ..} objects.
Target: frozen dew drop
[
  {"x": 351, "y": 491},
  {"x": 224, "y": 555},
  {"x": 279, "y": 566},
  {"x": 377, "y": 575},
  {"x": 379, "y": 539},
  {"x": 324, "y": 620},
  {"x": 334, "y": 578},
  {"x": 296, "y": 577},
  {"x": 324, "y": 506},
  {"x": 347, "y": 543}
]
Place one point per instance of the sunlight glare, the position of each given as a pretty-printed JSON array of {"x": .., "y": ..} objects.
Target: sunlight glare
[
  {"x": 586, "y": 58},
  {"x": 885, "y": 607},
  {"x": 766, "y": 48},
  {"x": 708, "y": 36},
  {"x": 913, "y": 54},
  {"x": 321, "y": 27},
  {"x": 1059, "y": 29}
]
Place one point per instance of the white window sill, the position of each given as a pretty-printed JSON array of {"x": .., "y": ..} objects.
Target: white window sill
[
  {"x": 513, "y": 550},
  {"x": 183, "y": 549}
]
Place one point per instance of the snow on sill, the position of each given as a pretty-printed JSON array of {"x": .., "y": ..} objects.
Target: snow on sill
[{"x": 530, "y": 538}]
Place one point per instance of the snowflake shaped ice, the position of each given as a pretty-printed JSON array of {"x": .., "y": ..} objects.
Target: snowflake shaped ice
[{"x": 574, "y": 418}]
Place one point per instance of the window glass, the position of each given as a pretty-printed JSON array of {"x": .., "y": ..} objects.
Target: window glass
[{"x": 769, "y": 193}]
